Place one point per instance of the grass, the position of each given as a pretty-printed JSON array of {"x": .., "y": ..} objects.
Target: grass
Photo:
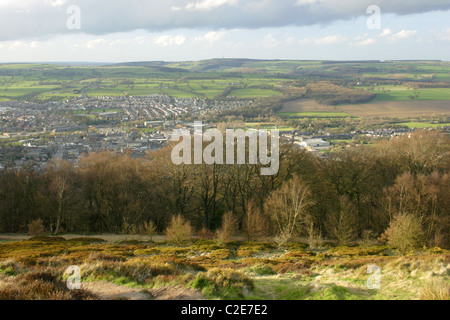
[
  {"x": 235, "y": 270},
  {"x": 254, "y": 93},
  {"x": 402, "y": 93},
  {"x": 422, "y": 125},
  {"x": 209, "y": 79}
]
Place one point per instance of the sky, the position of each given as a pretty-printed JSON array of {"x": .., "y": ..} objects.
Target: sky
[{"x": 190, "y": 30}]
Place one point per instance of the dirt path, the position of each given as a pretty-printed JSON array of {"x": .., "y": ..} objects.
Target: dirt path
[
  {"x": 110, "y": 238},
  {"x": 109, "y": 291},
  {"x": 175, "y": 293}
]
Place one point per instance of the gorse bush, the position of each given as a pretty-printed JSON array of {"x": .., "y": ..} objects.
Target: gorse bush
[
  {"x": 405, "y": 233},
  {"x": 179, "y": 230},
  {"x": 36, "y": 228}
]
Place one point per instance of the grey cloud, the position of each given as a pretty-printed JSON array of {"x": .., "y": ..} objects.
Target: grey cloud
[{"x": 41, "y": 18}]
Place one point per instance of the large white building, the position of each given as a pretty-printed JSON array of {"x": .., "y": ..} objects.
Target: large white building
[{"x": 314, "y": 144}]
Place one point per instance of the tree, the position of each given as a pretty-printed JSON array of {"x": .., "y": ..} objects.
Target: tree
[
  {"x": 36, "y": 228},
  {"x": 150, "y": 229},
  {"x": 287, "y": 208},
  {"x": 228, "y": 229},
  {"x": 342, "y": 222},
  {"x": 255, "y": 223},
  {"x": 61, "y": 174}
]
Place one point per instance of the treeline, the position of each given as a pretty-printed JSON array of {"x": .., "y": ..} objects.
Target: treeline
[
  {"x": 421, "y": 85},
  {"x": 347, "y": 196},
  {"x": 328, "y": 93}
]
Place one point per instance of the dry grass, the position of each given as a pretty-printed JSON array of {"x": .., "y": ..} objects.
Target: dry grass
[
  {"x": 435, "y": 289},
  {"x": 41, "y": 286},
  {"x": 150, "y": 266}
]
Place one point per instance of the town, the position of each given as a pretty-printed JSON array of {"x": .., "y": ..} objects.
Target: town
[
  {"x": 134, "y": 124},
  {"x": 66, "y": 130}
]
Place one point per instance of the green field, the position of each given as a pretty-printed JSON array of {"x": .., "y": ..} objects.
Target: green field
[
  {"x": 423, "y": 125},
  {"x": 254, "y": 93},
  {"x": 402, "y": 93},
  {"x": 267, "y": 126},
  {"x": 216, "y": 78}
]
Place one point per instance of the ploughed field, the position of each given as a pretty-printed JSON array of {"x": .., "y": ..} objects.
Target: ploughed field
[
  {"x": 390, "y": 109},
  {"x": 205, "y": 269}
]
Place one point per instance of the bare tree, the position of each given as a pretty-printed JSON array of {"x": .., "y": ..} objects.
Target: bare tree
[
  {"x": 255, "y": 223},
  {"x": 342, "y": 223},
  {"x": 60, "y": 173},
  {"x": 288, "y": 208}
]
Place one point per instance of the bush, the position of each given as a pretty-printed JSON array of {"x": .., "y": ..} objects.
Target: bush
[
  {"x": 47, "y": 239},
  {"x": 368, "y": 239},
  {"x": 150, "y": 229},
  {"x": 224, "y": 283},
  {"x": 86, "y": 240},
  {"x": 36, "y": 228},
  {"x": 179, "y": 230},
  {"x": 205, "y": 234},
  {"x": 42, "y": 286},
  {"x": 260, "y": 269},
  {"x": 228, "y": 229},
  {"x": 255, "y": 223},
  {"x": 221, "y": 254},
  {"x": 405, "y": 233}
]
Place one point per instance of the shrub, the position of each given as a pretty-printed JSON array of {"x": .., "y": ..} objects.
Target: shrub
[
  {"x": 205, "y": 234},
  {"x": 36, "y": 228},
  {"x": 245, "y": 253},
  {"x": 368, "y": 239},
  {"x": 255, "y": 223},
  {"x": 101, "y": 256},
  {"x": 300, "y": 267},
  {"x": 86, "y": 240},
  {"x": 282, "y": 238},
  {"x": 221, "y": 254},
  {"x": 127, "y": 228},
  {"x": 150, "y": 229},
  {"x": 205, "y": 245},
  {"x": 41, "y": 286},
  {"x": 405, "y": 233},
  {"x": 47, "y": 239},
  {"x": 228, "y": 229},
  {"x": 225, "y": 283},
  {"x": 179, "y": 230},
  {"x": 260, "y": 269}
]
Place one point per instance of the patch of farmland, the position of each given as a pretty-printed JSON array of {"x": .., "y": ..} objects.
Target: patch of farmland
[{"x": 397, "y": 109}]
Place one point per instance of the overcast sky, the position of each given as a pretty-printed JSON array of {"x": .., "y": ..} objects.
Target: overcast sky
[{"x": 177, "y": 30}]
